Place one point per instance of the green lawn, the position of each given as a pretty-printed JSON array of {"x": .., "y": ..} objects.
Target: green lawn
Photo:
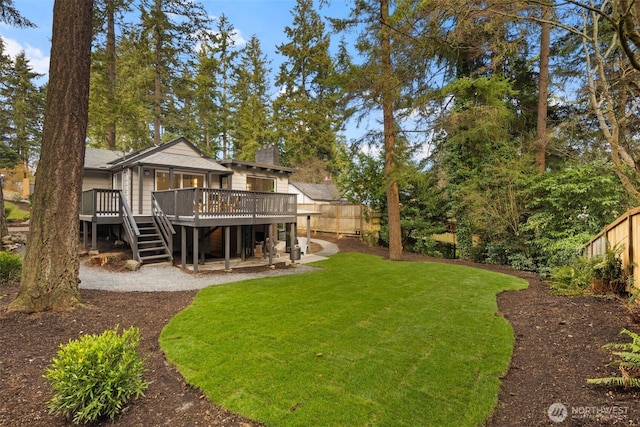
[
  {"x": 364, "y": 341},
  {"x": 15, "y": 213}
]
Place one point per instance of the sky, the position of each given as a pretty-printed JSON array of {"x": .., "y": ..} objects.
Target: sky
[{"x": 264, "y": 18}]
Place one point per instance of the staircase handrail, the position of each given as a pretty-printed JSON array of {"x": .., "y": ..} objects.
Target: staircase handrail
[
  {"x": 130, "y": 225},
  {"x": 164, "y": 225}
]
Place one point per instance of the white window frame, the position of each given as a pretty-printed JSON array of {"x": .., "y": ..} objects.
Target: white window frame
[{"x": 181, "y": 174}]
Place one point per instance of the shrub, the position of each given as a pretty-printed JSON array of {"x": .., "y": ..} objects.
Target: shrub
[
  {"x": 601, "y": 275},
  {"x": 7, "y": 210},
  {"x": 627, "y": 361},
  {"x": 521, "y": 261},
  {"x": 426, "y": 246},
  {"x": 572, "y": 279},
  {"x": 95, "y": 375},
  {"x": 10, "y": 267},
  {"x": 608, "y": 276}
]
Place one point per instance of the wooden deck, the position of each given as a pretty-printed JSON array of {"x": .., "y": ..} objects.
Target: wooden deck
[
  {"x": 199, "y": 209},
  {"x": 206, "y": 207}
]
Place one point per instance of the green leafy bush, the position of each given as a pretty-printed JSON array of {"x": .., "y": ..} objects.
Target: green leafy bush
[
  {"x": 627, "y": 361},
  {"x": 608, "y": 276},
  {"x": 600, "y": 275},
  {"x": 10, "y": 267},
  {"x": 95, "y": 375},
  {"x": 572, "y": 279}
]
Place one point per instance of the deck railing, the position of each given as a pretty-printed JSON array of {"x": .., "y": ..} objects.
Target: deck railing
[
  {"x": 111, "y": 203},
  {"x": 216, "y": 202},
  {"x": 101, "y": 202}
]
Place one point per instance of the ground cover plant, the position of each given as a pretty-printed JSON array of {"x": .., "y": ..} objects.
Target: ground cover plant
[
  {"x": 363, "y": 341},
  {"x": 626, "y": 359}
]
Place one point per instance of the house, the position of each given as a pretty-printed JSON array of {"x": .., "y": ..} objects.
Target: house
[{"x": 172, "y": 198}]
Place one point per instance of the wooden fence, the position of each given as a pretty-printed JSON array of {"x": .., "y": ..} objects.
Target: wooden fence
[
  {"x": 350, "y": 219},
  {"x": 622, "y": 233}
]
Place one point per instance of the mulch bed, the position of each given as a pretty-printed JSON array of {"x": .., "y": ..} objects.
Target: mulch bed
[{"x": 558, "y": 345}]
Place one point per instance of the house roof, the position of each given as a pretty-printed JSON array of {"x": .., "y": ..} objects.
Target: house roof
[
  {"x": 99, "y": 159},
  {"x": 324, "y": 192},
  {"x": 180, "y": 161},
  {"x": 253, "y": 165}
]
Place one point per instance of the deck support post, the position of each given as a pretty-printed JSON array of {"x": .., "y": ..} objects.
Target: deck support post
[
  {"x": 243, "y": 246},
  {"x": 308, "y": 248},
  {"x": 294, "y": 235},
  {"x": 183, "y": 246},
  {"x": 196, "y": 253},
  {"x": 140, "y": 189},
  {"x": 269, "y": 245},
  {"x": 85, "y": 231},
  {"x": 94, "y": 235},
  {"x": 227, "y": 247}
]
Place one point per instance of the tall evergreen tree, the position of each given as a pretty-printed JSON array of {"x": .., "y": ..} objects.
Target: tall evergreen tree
[
  {"x": 51, "y": 265},
  {"x": 170, "y": 28},
  {"x": 543, "y": 88},
  {"x": 205, "y": 90},
  {"x": 8, "y": 156},
  {"x": 135, "y": 92},
  {"x": 224, "y": 52},
  {"x": 307, "y": 120},
  {"x": 379, "y": 84},
  {"x": 24, "y": 104},
  {"x": 9, "y": 15},
  {"x": 104, "y": 97},
  {"x": 182, "y": 107},
  {"x": 252, "y": 114}
]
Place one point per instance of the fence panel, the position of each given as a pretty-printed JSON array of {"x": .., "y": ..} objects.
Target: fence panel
[
  {"x": 623, "y": 233},
  {"x": 338, "y": 218}
]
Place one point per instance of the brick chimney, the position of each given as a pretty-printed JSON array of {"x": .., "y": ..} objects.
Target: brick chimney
[{"x": 268, "y": 155}]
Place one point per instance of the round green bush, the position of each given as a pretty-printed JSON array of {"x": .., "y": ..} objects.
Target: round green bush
[
  {"x": 96, "y": 375},
  {"x": 10, "y": 267}
]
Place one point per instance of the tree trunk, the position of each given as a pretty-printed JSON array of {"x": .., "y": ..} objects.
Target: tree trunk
[
  {"x": 390, "y": 160},
  {"x": 111, "y": 71},
  {"x": 543, "y": 90},
  {"x": 157, "y": 95},
  {"x": 51, "y": 264}
]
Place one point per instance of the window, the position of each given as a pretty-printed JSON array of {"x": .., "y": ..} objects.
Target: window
[
  {"x": 267, "y": 185},
  {"x": 117, "y": 181},
  {"x": 180, "y": 180},
  {"x": 190, "y": 180}
]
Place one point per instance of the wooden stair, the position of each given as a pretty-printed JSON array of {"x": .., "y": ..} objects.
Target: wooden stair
[{"x": 151, "y": 245}]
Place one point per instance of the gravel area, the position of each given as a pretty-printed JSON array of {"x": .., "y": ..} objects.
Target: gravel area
[{"x": 162, "y": 278}]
